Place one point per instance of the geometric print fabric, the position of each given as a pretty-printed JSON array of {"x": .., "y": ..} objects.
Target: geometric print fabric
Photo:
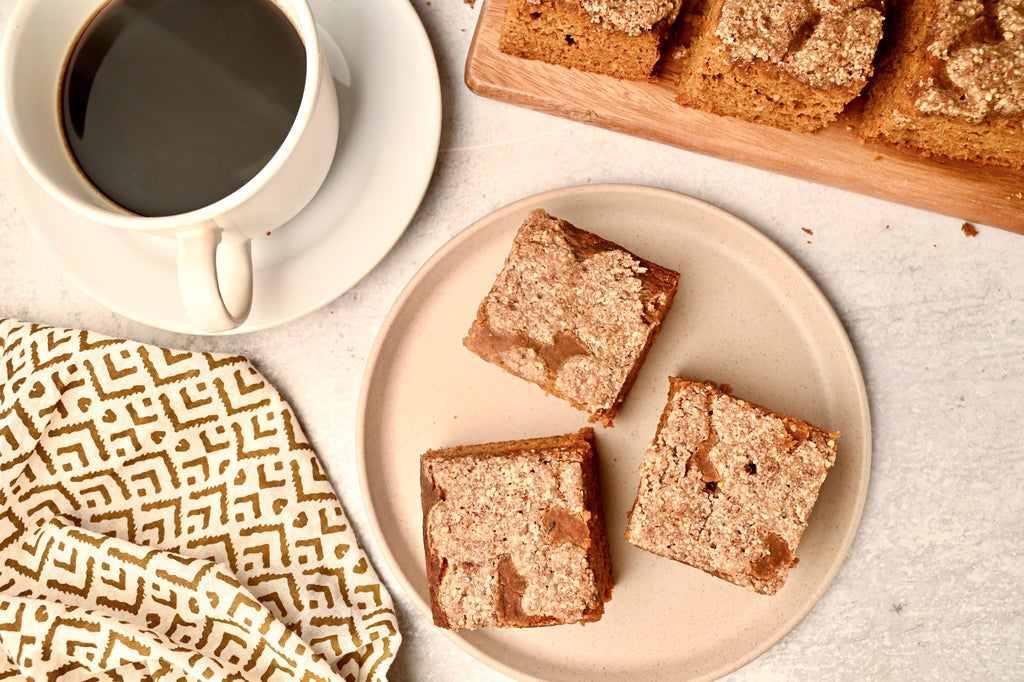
[{"x": 163, "y": 517}]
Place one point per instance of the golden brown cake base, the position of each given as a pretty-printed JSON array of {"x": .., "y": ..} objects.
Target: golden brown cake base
[
  {"x": 758, "y": 91},
  {"x": 727, "y": 486},
  {"x": 560, "y": 32},
  {"x": 891, "y": 113},
  {"x": 514, "y": 533}
]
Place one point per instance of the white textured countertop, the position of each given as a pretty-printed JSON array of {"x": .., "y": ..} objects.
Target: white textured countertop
[{"x": 932, "y": 588}]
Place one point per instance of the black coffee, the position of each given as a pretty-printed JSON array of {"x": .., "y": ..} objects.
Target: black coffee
[{"x": 170, "y": 105}]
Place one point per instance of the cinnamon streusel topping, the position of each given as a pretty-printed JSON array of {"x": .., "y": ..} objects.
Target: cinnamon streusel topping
[
  {"x": 824, "y": 43},
  {"x": 519, "y": 520},
  {"x": 581, "y": 317},
  {"x": 727, "y": 486},
  {"x": 985, "y": 72},
  {"x": 631, "y": 16}
]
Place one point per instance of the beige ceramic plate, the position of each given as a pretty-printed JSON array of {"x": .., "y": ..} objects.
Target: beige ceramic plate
[{"x": 746, "y": 314}]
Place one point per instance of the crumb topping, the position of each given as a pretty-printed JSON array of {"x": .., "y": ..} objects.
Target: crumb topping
[
  {"x": 584, "y": 317},
  {"x": 727, "y": 487},
  {"x": 823, "y": 43},
  {"x": 983, "y": 54},
  {"x": 632, "y": 17},
  {"x": 511, "y": 523}
]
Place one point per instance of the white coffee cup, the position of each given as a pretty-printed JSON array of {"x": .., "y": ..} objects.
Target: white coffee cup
[{"x": 215, "y": 270}]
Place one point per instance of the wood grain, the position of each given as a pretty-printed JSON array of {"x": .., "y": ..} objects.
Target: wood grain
[{"x": 833, "y": 156}]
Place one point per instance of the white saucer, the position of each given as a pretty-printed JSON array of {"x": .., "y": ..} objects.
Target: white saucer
[{"x": 390, "y": 98}]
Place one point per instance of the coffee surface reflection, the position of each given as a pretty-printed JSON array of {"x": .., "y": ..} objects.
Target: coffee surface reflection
[{"x": 170, "y": 105}]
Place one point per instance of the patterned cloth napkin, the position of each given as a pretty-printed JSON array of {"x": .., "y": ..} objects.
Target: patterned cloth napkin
[{"x": 162, "y": 517}]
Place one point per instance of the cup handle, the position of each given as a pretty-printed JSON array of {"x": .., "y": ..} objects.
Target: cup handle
[{"x": 216, "y": 298}]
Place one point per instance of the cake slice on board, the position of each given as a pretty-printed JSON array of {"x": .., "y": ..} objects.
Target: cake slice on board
[
  {"x": 792, "y": 64},
  {"x": 951, "y": 81},
  {"x": 621, "y": 38}
]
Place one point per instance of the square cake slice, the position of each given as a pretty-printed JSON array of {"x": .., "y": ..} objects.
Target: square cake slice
[
  {"x": 623, "y": 39},
  {"x": 573, "y": 313},
  {"x": 514, "y": 533},
  {"x": 727, "y": 486},
  {"x": 951, "y": 81},
  {"x": 792, "y": 64}
]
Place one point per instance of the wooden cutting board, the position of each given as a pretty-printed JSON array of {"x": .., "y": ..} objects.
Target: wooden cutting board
[{"x": 834, "y": 156}]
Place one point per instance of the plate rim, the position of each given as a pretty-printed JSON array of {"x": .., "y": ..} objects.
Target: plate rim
[
  {"x": 859, "y": 494},
  {"x": 38, "y": 212}
]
